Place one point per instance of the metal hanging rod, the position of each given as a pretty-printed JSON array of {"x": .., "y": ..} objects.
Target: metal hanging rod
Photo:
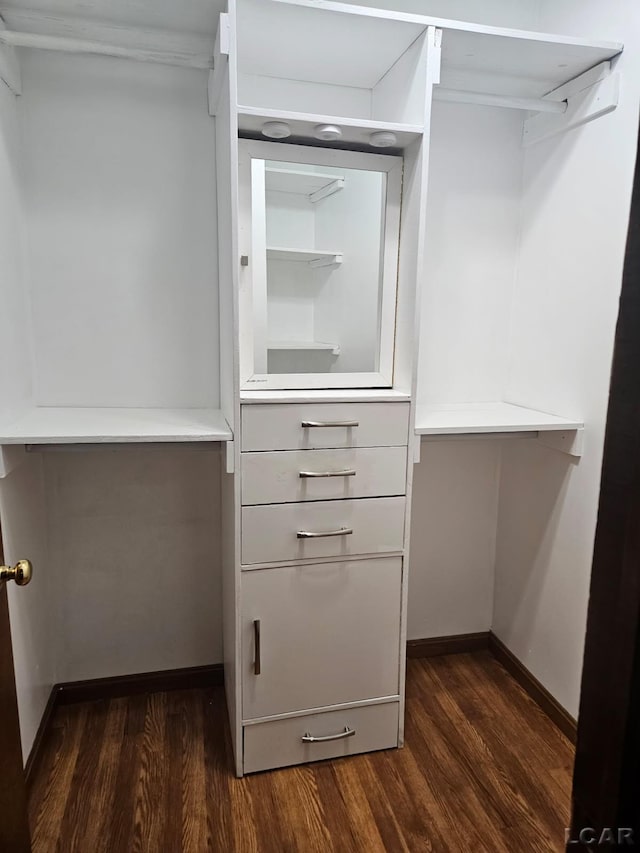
[
  {"x": 97, "y": 48},
  {"x": 459, "y": 96}
]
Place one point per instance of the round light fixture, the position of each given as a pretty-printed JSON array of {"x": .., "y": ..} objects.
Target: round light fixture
[
  {"x": 383, "y": 139},
  {"x": 276, "y": 129},
  {"x": 327, "y": 132}
]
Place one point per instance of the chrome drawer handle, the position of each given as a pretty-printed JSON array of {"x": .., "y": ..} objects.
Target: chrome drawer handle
[
  {"x": 309, "y": 424},
  {"x": 347, "y": 472},
  {"x": 256, "y": 646},
  {"x": 307, "y": 738},
  {"x": 308, "y": 534}
]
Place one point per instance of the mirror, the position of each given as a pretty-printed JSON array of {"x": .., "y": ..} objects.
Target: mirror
[{"x": 322, "y": 264}]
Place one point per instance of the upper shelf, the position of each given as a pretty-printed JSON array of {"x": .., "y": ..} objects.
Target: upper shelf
[
  {"x": 324, "y": 42},
  {"x": 515, "y": 62},
  {"x": 49, "y": 425},
  {"x": 314, "y": 185},
  {"x": 470, "y": 418}
]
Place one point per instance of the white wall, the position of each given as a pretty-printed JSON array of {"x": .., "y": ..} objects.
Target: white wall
[
  {"x": 120, "y": 195},
  {"x": 475, "y": 176},
  {"x": 15, "y": 364},
  {"x": 134, "y": 537},
  {"x": 577, "y": 191},
  {"x": 453, "y": 536}
]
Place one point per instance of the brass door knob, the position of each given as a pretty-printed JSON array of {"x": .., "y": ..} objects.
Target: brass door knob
[{"x": 20, "y": 573}]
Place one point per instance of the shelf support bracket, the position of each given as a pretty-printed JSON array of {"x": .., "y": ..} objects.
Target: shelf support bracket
[
  {"x": 9, "y": 66},
  {"x": 220, "y": 63},
  {"x": 570, "y": 441},
  {"x": 589, "y": 96}
]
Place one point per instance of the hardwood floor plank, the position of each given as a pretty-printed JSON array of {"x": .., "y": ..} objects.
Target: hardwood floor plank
[
  {"x": 120, "y": 820},
  {"x": 46, "y": 833},
  {"x": 109, "y": 760},
  {"x": 218, "y": 760},
  {"x": 151, "y": 800},
  {"x": 78, "y": 813},
  {"x": 301, "y": 818},
  {"x": 482, "y": 770}
]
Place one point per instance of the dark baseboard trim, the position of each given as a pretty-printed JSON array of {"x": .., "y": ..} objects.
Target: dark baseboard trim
[
  {"x": 453, "y": 645},
  {"x": 111, "y": 688},
  {"x": 530, "y": 684},
  {"x": 35, "y": 754},
  {"x": 143, "y": 682}
]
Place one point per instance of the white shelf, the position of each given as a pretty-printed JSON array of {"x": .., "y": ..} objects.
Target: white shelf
[
  {"x": 477, "y": 418},
  {"x": 49, "y": 425},
  {"x": 354, "y": 131},
  {"x": 304, "y": 346},
  {"x": 314, "y": 258},
  {"x": 326, "y": 395},
  {"x": 314, "y": 185},
  {"x": 516, "y": 62}
]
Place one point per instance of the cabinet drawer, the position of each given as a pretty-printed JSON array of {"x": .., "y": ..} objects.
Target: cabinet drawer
[
  {"x": 320, "y": 634},
  {"x": 299, "y": 531},
  {"x": 280, "y": 427},
  {"x": 280, "y": 742},
  {"x": 316, "y": 475}
]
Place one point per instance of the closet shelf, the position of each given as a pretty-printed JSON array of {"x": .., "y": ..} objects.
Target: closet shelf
[
  {"x": 315, "y": 258},
  {"x": 52, "y": 425},
  {"x": 354, "y": 131},
  {"x": 477, "y": 418},
  {"x": 314, "y": 185},
  {"x": 304, "y": 346}
]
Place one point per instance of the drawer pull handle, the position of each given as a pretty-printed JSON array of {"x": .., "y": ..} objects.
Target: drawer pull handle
[
  {"x": 347, "y": 472},
  {"x": 309, "y": 534},
  {"x": 309, "y": 424},
  {"x": 256, "y": 646},
  {"x": 307, "y": 738}
]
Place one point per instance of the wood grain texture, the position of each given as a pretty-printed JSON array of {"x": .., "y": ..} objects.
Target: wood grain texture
[{"x": 483, "y": 769}]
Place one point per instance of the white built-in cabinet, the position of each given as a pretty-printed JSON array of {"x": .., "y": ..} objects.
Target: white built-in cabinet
[
  {"x": 319, "y": 484},
  {"x": 335, "y": 342}
]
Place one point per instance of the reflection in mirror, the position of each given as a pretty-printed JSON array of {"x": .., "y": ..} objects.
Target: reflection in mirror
[{"x": 318, "y": 303}]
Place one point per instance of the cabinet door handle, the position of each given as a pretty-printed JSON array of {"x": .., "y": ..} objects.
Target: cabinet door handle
[
  {"x": 346, "y": 472},
  {"x": 307, "y": 738},
  {"x": 256, "y": 647},
  {"x": 309, "y": 534},
  {"x": 309, "y": 424}
]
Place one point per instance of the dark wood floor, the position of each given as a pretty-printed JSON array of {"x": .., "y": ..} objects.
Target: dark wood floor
[{"x": 483, "y": 770}]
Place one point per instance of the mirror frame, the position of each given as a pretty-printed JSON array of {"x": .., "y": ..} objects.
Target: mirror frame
[{"x": 250, "y": 307}]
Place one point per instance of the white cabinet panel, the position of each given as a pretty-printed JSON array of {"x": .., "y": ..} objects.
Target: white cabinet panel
[
  {"x": 280, "y": 743},
  {"x": 299, "y": 531},
  {"x": 320, "y": 634},
  {"x": 280, "y": 427},
  {"x": 316, "y": 475}
]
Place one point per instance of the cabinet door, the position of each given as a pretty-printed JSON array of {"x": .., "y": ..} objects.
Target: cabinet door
[{"x": 320, "y": 635}]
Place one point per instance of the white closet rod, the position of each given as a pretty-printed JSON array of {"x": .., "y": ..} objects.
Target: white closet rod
[
  {"x": 459, "y": 96},
  {"x": 78, "y": 46}
]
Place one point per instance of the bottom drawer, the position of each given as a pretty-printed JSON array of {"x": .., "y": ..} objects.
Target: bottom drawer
[{"x": 280, "y": 742}]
